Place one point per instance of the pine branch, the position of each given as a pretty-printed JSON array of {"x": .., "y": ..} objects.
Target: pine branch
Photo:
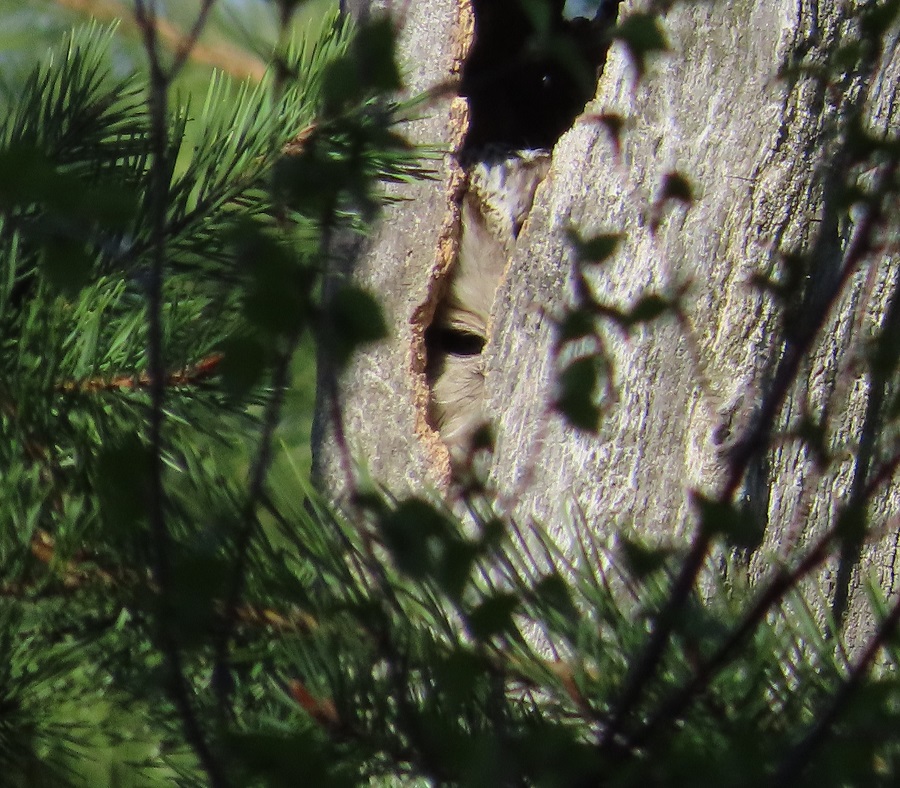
[
  {"x": 801, "y": 754},
  {"x": 186, "y": 377}
]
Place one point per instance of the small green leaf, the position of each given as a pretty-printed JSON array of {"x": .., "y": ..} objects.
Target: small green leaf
[
  {"x": 243, "y": 364},
  {"x": 876, "y": 18},
  {"x": 578, "y": 384},
  {"x": 614, "y": 125},
  {"x": 852, "y": 523},
  {"x": 312, "y": 182},
  {"x": 376, "y": 58},
  {"x": 66, "y": 264},
  {"x": 455, "y": 567},
  {"x": 410, "y": 532},
  {"x": 735, "y": 524},
  {"x": 26, "y": 176},
  {"x": 676, "y": 186},
  {"x": 642, "y": 36},
  {"x": 356, "y": 320},
  {"x": 595, "y": 249},
  {"x": 197, "y": 581},
  {"x": 575, "y": 324},
  {"x": 648, "y": 308},
  {"x": 277, "y": 299},
  {"x": 123, "y": 483},
  {"x": 493, "y": 616},
  {"x": 553, "y": 592},
  {"x": 458, "y": 675},
  {"x": 341, "y": 85},
  {"x": 640, "y": 559}
]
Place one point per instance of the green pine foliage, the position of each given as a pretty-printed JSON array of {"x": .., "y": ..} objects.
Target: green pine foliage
[{"x": 260, "y": 637}]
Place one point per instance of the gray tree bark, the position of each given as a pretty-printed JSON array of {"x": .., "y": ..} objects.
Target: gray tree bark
[{"x": 757, "y": 150}]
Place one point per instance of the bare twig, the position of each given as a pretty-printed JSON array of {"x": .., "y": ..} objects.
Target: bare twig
[
  {"x": 220, "y": 55},
  {"x": 754, "y": 441},
  {"x": 799, "y": 756},
  {"x": 249, "y": 520},
  {"x": 184, "y": 377},
  {"x": 146, "y": 18},
  {"x": 259, "y": 469}
]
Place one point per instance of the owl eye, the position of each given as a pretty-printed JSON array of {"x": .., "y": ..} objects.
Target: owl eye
[{"x": 453, "y": 342}]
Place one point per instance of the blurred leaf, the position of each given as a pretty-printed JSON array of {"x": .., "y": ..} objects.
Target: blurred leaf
[
  {"x": 374, "y": 51},
  {"x": 614, "y": 125},
  {"x": 455, "y": 567},
  {"x": 736, "y": 524},
  {"x": 197, "y": 585},
  {"x": 341, "y": 84},
  {"x": 575, "y": 324},
  {"x": 66, "y": 264},
  {"x": 594, "y": 249},
  {"x": 280, "y": 286},
  {"x": 852, "y": 523},
  {"x": 459, "y": 674},
  {"x": 413, "y": 532},
  {"x": 578, "y": 385},
  {"x": 553, "y": 592},
  {"x": 368, "y": 69},
  {"x": 675, "y": 188},
  {"x": 642, "y": 36},
  {"x": 647, "y": 308},
  {"x": 243, "y": 364},
  {"x": 493, "y": 616},
  {"x": 643, "y": 560},
  {"x": 277, "y": 758},
  {"x": 356, "y": 320},
  {"x": 123, "y": 483}
]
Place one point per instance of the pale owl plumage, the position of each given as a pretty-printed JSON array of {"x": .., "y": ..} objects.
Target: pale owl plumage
[{"x": 494, "y": 208}]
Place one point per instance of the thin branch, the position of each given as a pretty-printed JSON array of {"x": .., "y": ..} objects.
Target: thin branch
[
  {"x": 220, "y": 55},
  {"x": 249, "y": 521},
  {"x": 188, "y": 376},
  {"x": 800, "y": 755},
  {"x": 780, "y": 584},
  {"x": 753, "y": 442},
  {"x": 146, "y": 17},
  {"x": 188, "y": 43}
]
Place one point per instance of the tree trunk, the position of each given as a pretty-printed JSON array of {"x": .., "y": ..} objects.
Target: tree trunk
[{"x": 757, "y": 151}]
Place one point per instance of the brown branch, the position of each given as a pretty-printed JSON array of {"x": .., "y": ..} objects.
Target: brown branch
[
  {"x": 185, "y": 377},
  {"x": 322, "y": 710},
  {"x": 83, "y": 571},
  {"x": 225, "y": 57}
]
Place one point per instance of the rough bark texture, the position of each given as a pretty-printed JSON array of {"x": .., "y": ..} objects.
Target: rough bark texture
[
  {"x": 382, "y": 399},
  {"x": 755, "y": 149}
]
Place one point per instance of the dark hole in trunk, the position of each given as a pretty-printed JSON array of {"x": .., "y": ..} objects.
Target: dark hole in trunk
[{"x": 527, "y": 82}]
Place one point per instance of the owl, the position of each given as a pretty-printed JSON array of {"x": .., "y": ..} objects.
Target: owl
[{"x": 494, "y": 208}]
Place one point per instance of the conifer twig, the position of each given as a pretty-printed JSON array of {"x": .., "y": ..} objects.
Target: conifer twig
[
  {"x": 185, "y": 377},
  {"x": 783, "y": 581},
  {"x": 800, "y": 755}
]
